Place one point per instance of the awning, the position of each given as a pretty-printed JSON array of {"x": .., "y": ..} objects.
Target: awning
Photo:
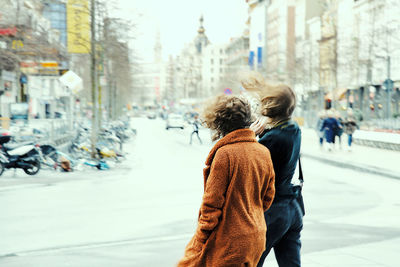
[
  {"x": 337, "y": 94},
  {"x": 340, "y": 93}
]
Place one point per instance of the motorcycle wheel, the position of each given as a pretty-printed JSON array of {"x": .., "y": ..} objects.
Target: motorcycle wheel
[
  {"x": 1, "y": 168},
  {"x": 35, "y": 168}
]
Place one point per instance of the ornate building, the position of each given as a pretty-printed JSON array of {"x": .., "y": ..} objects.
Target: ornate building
[
  {"x": 201, "y": 41},
  {"x": 189, "y": 66}
]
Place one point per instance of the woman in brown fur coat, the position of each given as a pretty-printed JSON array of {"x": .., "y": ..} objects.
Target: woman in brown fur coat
[{"x": 238, "y": 188}]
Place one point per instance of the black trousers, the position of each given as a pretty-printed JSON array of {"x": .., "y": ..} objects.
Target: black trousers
[
  {"x": 284, "y": 223},
  {"x": 198, "y": 137}
]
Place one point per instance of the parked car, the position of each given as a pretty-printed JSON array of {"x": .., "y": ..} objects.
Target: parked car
[
  {"x": 151, "y": 115},
  {"x": 175, "y": 121}
]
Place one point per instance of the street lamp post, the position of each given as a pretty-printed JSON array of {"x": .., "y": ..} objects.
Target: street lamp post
[
  {"x": 93, "y": 78},
  {"x": 389, "y": 88},
  {"x": 388, "y": 83}
]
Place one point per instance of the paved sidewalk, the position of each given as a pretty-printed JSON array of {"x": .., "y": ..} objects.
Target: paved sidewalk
[
  {"x": 367, "y": 159},
  {"x": 361, "y": 158},
  {"x": 355, "y": 256}
]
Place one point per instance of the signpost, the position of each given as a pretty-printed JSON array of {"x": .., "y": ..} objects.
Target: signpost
[
  {"x": 227, "y": 91},
  {"x": 388, "y": 83}
]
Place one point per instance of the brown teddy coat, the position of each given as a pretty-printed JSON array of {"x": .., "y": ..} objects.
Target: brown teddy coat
[{"x": 238, "y": 188}]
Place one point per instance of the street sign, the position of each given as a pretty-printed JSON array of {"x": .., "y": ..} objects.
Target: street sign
[
  {"x": 71, "y": 80},
  {"x": 227, "y": 91},
  {"x": 23, "y": 79},
  {"x": 388, "y": 83},
  {"x": 3, "y": 45},
  {"x": 8, "y": 75}
]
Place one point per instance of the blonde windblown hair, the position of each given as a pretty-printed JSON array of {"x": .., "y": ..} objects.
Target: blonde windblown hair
[{"x": 277, "y": 101}]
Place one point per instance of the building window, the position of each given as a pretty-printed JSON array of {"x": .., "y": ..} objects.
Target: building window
[
  {"x": 221, "y": 70},
  {"x": 212, "y": 70},
  {"x": 221, "y": 61},
  {"x": 212, "y": 61},
  {"x": 212, "y": 79},
  {"x": 221, "y": 51}
]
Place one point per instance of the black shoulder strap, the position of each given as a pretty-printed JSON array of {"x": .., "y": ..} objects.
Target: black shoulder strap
[{"x": 301, "y": 178}]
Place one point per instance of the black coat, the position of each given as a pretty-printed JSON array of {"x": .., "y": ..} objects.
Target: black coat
[
  {"x": 283, "y": 142},
  {"x": 330, "y": 125}
]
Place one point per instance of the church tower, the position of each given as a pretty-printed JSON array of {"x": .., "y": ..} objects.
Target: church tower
[
  {"x": 201, "y": 39},
  {"x": 158, "y": 49}
]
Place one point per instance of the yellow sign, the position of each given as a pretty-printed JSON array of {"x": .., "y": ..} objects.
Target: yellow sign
[
  {"x": 49, "y": 64},
  {"x": 17, "y": 44},
  {"x": 78, "y": 26}
]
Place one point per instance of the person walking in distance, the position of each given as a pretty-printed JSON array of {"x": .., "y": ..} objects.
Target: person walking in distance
[
  {"x": 329, "y": 125},
  {"x": 338, "y": 131},
  {"x": 195, "y": 124},
  {"x": 321, "y": 117},
  {"x": 350, "y": 126},
  {"x": 282, "y": 137},
  {"x": 238, "y": 188}
]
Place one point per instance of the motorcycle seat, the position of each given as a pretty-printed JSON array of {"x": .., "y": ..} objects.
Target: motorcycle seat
[{"x": 11, "y": 146}]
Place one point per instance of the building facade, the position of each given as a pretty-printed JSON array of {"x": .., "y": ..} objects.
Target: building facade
[
  {"x": 213, "y": 69},
  {"x": 189, "y": 67},
  {"x": 31, "y": 50},
  {"x": 236, "y": 61}
]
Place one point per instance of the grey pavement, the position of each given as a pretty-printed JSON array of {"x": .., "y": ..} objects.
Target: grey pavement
[
  {"x": 379, "y": 252},
  {"x": 144, "y": 214},
  {"x": 362, "y": 158}
]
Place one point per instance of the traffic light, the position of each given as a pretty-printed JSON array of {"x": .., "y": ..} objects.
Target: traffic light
[{"x": 328, "y": 104}]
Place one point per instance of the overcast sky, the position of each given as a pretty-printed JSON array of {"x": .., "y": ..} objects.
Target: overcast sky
[{"x": 178, "y": 21}]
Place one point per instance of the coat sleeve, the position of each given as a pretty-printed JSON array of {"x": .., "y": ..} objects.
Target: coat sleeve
[
  {"x": 214, "y": 196},
  {"x": 270, "y": 190},
  {"x": 323, "y": 125}
]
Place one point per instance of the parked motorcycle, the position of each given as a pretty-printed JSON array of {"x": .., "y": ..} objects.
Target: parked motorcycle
[{"x": 23, "y": 156}]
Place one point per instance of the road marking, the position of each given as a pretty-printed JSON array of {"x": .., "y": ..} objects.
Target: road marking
[{"x": 96, "y": 245}]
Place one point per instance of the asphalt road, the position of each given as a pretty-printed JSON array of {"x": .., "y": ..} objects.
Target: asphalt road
[{"x": 144, "y": 211}]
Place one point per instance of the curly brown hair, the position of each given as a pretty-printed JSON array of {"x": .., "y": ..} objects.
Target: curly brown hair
[{"x": 225, "y": 114}]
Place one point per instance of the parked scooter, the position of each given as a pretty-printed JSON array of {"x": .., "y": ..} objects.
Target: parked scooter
[{"x": 21, "y": 156}]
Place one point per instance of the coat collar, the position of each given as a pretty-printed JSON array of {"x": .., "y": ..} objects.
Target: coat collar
[{"x": 241, "y": 135}]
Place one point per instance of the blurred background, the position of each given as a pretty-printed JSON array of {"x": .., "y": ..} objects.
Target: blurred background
[{"x": 100, "y": 161}]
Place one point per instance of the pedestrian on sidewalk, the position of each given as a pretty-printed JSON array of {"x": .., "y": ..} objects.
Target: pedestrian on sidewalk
[
  {"x": 320, "y": 133},
  {"x": 350, "y": 126},
  {"x": 328, "y": 126},
  {"x": 195, "y": 124},
  {"x": 338, "y": 131},
  {"x": 282, "y": 137},
  {"x": 238, "y": 188}
]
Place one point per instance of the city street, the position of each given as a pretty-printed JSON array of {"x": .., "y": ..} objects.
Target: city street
[{"x": 144, "y": 211}]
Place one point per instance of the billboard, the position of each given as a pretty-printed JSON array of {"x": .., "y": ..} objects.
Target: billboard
[{"x": 78, "y": 26}]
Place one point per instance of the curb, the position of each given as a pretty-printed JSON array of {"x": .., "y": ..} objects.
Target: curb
[
  {"x": 377, "y": 144},
  {"x": 355, "y": 166}
]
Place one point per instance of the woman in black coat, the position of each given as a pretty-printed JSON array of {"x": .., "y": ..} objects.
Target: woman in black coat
[{"x": 282, "y": 137}]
